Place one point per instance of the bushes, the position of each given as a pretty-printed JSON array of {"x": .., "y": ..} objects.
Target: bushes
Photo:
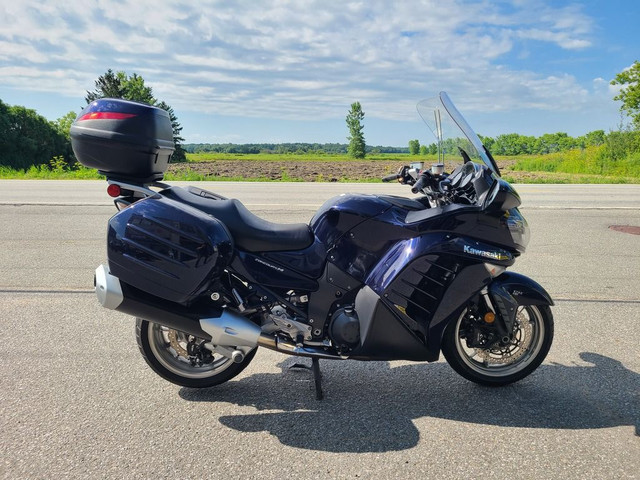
[
  {"x": 57, "y": 168},
  {"x": 618, "y": 156}
]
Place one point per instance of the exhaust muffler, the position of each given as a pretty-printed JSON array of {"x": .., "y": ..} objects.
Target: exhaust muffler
[{"x": 121, "y": 297}]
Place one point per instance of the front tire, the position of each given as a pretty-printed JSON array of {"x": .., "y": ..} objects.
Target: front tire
[
  {"x": 505, "y": 364},
  {"x": 166, "y": 351}
]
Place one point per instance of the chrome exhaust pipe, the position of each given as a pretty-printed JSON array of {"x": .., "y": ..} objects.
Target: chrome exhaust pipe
[
  {"x": 290, "y": 348},
  {"x": 231, "y": 330}
]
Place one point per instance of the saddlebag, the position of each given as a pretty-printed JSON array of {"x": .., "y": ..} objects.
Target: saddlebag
[
  {"x": 167, "y": 249},
  {"x": 126, "y": 141}
]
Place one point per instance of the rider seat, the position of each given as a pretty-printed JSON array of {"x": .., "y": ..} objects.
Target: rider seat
[{"x": 250, "y": 232}]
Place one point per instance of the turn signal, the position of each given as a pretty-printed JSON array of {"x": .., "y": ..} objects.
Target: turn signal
[{"x": 489, "y": 317}]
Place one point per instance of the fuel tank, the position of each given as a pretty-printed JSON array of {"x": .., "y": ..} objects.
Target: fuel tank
[{"x": 340, "y": 214}]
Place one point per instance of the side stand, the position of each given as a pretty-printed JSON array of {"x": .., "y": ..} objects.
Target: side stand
[{"x": 317, "y": 376}]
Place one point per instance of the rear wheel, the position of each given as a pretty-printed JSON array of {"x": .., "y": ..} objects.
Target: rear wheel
[
  {"x": 504, "y": 362},
  {"x": 182, "y": 359}
]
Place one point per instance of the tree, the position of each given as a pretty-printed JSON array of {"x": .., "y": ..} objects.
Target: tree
[
  {"x": 414, "y": 147},
  {"x": 356, "y": 137},
  {"x": 179, "y": 154},
  {"x": 424, "y": 150},
  {"x": 27, "y": 138},
  {"x": 63, "y": 124},
  {"x": 595, "y": 138},
  {"x": 487, "y": 142},
  {"x": 120, "y": 85},
  {"x": 108, "y": 85},
  {"x": 630, "y": 95},
  {"x": 136, "y": 90}
]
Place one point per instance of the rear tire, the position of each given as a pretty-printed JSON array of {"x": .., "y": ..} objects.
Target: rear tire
[
  {"x": 532, "y": 337},
  {"x": 164, "y": 350}
]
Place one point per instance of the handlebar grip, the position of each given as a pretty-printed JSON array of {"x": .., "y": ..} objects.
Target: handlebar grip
[
  {"x": 391, "y": 178},
  {"x": 420, "y": 184}
]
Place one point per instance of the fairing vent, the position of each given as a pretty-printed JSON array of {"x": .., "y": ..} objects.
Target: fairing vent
[{"x": 418, "y": 290}]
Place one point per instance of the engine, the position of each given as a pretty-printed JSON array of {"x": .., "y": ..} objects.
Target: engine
[{"x": 344, "y": 328}]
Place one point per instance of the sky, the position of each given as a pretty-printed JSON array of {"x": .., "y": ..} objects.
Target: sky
[{"x": 260, "y": 71}]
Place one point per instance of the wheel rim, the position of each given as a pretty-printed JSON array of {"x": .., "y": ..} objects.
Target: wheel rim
[
  {"x": 169, "y": 347},
  {"x": 526, "y": 343}
]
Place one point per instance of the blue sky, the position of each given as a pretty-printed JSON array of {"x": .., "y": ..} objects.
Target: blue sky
[{"x": 287, "y": 71}]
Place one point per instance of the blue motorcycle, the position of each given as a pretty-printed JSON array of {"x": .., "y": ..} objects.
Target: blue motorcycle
[{"x": 371, "y": 277}]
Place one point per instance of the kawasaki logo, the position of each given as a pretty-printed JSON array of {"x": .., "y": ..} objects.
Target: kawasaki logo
[{"x": 484, "y": 253}]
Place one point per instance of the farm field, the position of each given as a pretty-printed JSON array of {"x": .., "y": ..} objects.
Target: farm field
[{"x": 341, "y": 168}]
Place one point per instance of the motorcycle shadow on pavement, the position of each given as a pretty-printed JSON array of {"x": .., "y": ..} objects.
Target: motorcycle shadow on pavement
[{"x": 370, "y": 406}]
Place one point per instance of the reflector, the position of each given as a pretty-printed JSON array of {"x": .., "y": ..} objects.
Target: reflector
[{"x": 113, "y": 190}]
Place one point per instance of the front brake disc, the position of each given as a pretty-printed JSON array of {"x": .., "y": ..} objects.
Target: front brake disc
[{"x": 520, "y": 343}]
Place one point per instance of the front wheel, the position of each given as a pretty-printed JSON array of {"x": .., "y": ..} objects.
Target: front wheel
[
  {"x": 182, "y": 359},
  {"x": 502, "y": 363}
]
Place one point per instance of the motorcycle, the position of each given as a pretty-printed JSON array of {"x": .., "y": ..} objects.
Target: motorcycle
[{"x": 371, "y": 277}]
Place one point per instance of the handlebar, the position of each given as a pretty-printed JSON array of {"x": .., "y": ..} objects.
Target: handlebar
[
  {"x": 422, "y": 182},
  {"x": 465, "y": 185},
  {"x": 391, "y": 178}
]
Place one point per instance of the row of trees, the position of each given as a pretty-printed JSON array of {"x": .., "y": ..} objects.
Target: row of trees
[
  {"x": 516, "y": 144},
  {"x": 285, "y": 148}
]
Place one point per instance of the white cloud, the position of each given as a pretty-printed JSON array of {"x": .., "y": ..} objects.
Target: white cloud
[{"x": 291, "y": 59}]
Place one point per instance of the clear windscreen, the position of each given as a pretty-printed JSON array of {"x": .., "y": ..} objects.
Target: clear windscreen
[{"x": 453, "y": 139}]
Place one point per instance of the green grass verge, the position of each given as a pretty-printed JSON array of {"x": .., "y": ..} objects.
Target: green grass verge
[
  {"x": 588, "y": 161},
  {"x": 44, "y": 172}
]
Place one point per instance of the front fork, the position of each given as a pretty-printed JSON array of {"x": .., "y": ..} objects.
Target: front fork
[
  {"x": 501, "y": 312},
  {"x": 509, "y": 291},
  {"x": 496, "y": 315}
]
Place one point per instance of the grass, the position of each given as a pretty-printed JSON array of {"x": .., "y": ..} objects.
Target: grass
[
  {"x": 585, "y": 162},
  {"x": 44, "y": 172},
  {"x": 567, "y": 178}
]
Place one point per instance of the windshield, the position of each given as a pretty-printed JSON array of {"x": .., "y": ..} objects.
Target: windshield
[{"x": 454, "y": 138}]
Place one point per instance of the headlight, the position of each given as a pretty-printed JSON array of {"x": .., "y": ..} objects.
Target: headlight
[{"x": 519, "y": 229}]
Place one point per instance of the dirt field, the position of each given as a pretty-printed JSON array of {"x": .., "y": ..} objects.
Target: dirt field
[{"x": 308, "y": 171}]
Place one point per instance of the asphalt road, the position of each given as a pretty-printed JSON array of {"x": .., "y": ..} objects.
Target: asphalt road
[{"x": 78, "y": 401}]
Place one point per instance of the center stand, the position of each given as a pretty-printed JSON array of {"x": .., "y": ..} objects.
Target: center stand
[{"x": 317, "y": 376}]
